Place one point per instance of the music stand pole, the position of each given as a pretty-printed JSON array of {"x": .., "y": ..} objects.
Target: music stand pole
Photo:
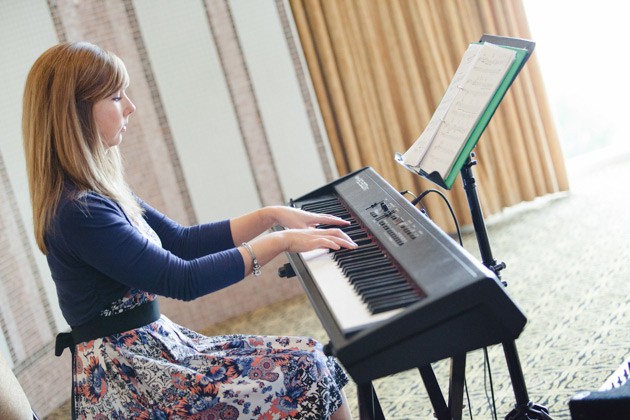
[{"x": 524, "y": 408}]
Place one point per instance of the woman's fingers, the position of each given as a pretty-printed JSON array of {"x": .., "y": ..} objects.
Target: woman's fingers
[
  {"x": 298, "y": 219},
  {"x": 332, "y": 220},
  {"x": 304, "y": 240}
]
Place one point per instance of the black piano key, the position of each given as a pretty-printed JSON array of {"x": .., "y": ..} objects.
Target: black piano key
[
  {"x": 379, "y": 282},
  {"x": 316, "y": 205},
  {"x": 375, "y": 273},
  {"x": 366, "y": 267},
  {"x": 364, "y": 288},
  {"x": 343, "y": 253},
  {"x": 353, "y": 224},
  {"x": 363, "y": 244},
  {"x": 385, "y": 291},
  {"x": 369, "y": 251},
  {"x": 382, "y": 281},
  {"x": 350, "y": 267},
  {"x": 356, "y": 235},
  {"x": 364, "y": 247},
  {"x": 352, "y": 229},
  {"x": 326, "y": 210},
  {"x": 353, "y": 268},
  {"x": 335, "y": 211},
  {"x": 359, "y": 256},
  {"x": 377, "y": 291},
  {"x": 367, "y": 260},
  {"x": 342, "y": 214}
]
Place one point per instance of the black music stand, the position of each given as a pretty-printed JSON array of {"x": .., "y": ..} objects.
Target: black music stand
[{"x": 524, "y": 409}]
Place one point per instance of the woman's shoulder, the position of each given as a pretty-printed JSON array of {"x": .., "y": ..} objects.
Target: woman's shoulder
[
  {"x": 75, "y": 202},
  {"x": 77, "y": 211}
]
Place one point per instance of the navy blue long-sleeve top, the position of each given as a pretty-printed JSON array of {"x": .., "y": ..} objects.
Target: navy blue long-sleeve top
[{"x": 96, "y": 254}]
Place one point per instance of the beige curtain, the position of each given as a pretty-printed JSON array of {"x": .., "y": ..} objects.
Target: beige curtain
[{"x": 380, "y": 68}]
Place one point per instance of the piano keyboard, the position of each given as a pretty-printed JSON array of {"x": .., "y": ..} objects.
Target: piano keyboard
[
  {"x": 408, "y": 295},
  {"x": 363, "y": 285}
]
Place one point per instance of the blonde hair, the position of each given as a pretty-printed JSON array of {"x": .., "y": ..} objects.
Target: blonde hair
[{"x": 61, "y": 139}]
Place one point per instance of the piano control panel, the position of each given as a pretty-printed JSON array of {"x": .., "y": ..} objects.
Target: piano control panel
[{"x": 393, "y": 221}]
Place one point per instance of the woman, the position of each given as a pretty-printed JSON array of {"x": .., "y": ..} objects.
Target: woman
[{"x": 110, "y": 254}]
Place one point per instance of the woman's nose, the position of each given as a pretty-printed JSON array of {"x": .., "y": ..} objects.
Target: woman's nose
[{"x": 131, "y": 108}]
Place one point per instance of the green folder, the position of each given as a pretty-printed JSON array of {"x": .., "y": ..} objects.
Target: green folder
[
  {"x": 523, "y": 49},
  {"x": 485, "y": 117}
]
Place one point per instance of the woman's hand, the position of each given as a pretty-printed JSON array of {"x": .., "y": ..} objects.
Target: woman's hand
[
  {"x": 304, "y": 240},
  {"x": 267, "y": 247},
  {"x": 246, "y": 228},
  {"x": 293, "y": 218}
]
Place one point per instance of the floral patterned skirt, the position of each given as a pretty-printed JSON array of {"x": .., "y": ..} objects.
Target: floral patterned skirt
[{"x": 165, "y": 371}]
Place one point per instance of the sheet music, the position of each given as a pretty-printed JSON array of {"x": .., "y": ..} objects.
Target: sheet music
[
  {"x": 414, "y": 155},
  {"x": 478, "y": 76}
]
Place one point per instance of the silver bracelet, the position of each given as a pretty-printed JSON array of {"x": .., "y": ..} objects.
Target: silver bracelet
[{"x": 255, "y": 266}]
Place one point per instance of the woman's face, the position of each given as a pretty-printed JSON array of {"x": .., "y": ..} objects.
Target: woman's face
[{"x": 112, "y": 115}]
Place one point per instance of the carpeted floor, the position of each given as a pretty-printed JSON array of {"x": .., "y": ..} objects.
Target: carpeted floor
[{"x": 567, "y": 268}]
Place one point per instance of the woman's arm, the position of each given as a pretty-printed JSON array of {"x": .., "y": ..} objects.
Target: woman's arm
[
  {"x": 196, "y": 241},
  {"x": 101, "y": 236},
  {"x": 189, "y": 242},
  {"x": 97, "y": 234}
]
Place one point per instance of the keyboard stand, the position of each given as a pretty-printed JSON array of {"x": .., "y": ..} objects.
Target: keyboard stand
[
  {"x": 369, "y": 407},
  {"x": 456, "y": 390}
]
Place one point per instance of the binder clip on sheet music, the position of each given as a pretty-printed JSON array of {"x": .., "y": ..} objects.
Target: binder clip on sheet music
[{"x": 463, "y": 112}]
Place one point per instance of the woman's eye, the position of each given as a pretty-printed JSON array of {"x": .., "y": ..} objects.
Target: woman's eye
[{"x": 117, "y": 98}]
